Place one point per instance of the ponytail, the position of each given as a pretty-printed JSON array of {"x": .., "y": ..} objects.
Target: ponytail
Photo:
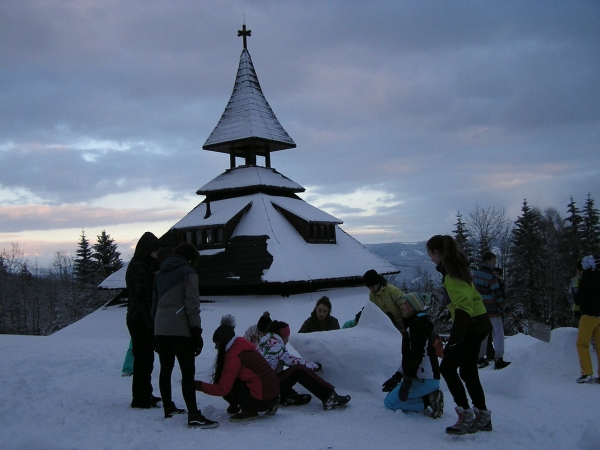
[{"x": 454, "y": 262}]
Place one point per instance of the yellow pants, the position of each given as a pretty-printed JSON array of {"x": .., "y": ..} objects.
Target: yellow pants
[{"x": 589, "y": 326}]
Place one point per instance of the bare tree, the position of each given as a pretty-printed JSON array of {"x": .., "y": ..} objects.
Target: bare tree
[{"x": 486, "y": 227}]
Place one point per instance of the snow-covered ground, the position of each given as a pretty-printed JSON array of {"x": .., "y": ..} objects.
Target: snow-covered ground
[{"x": 65, "y": 391}]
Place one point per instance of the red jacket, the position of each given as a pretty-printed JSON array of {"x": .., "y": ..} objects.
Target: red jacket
[{"x": 243, "y": 362}]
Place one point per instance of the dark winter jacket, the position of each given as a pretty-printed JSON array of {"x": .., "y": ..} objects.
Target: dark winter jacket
[
  {"x": 488, "y": 286},
  {"x": 176, "y": 303},
  {"x": 139, "y": 279},
  {"x": 588, "y": 294},
  {"x": 419, "y": 359},
  {"x": 313, "y": 324},
  {"x": 244, "y": 362}
]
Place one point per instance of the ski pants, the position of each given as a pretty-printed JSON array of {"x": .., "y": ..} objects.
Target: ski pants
[
  {"x": 497, "y": 339},
  {"x": 589, "y": 327},
  {"x": 418, "y": 389},
  {"x": 306, "y": 378},
  {"x": 240, "y": 395}
]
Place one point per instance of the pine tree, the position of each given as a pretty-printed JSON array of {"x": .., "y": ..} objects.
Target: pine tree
[
  {"x": 527, "y": 258},
  {"x": 463, "y": 237},
  {"x": 84, "y": 265},
  {"x": 574, "y": 231},
  {"x": 105, "y": 253},
  {"x": 591, "y": 228}
]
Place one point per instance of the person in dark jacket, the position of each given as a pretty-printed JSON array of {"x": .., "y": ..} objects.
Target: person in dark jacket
[
  {"x": 320, "y": 319},
  {"x": 242, "y": 376},
  {"x": 177, "y": 330},
  {"x": 588, "y": 300},
  {"x": 470, "y": 325},
  {"x": 415, "y": 387},
  {"x": 139, "y": 279}
]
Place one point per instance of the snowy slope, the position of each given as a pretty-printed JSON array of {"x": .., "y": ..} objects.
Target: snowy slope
[{"x": 65, "y": 390}]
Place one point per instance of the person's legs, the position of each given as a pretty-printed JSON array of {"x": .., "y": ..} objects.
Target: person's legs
[
  {"x": 468, "y": 369},
  {"x": 483, "y": 349},
  {"x": 142, "y": 340},
  {"x": 166, "y": 356},
  {"x": 306, "y": 378},
  {"x": 449, "y": 370},
  {"x": 586, "y": 330},
  {"x": 418, "y": 390},
  {"x": 187, "y": 363},
  {"x": 498, "y": 336},
  {"x": 596, "y": 337}
]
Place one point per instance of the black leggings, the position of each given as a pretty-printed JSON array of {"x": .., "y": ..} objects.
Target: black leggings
[
  {"x": 463, "y": 361},
  {"x": 142, "y": 345},
  {"x": 180, "y": 347},
  {"x": 240, "y": 395}
]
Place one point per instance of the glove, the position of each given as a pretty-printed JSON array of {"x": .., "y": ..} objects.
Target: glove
[
  {"x": 198, "y": 385},
  {"x": 319, "y": 367},
  {"x": 392, "y": 382},
  {"x": 404, "y": 388},
  {"x": 197, "y": 341}
]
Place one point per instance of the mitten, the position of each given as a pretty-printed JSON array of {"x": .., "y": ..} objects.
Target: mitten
[
  {"x": 392, "y": 382},
  {"x": 197, "y": 341},
  {"x": 405, "y": 388}
]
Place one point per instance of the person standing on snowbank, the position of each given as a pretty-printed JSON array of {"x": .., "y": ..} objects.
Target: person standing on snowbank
[
  {"x": 177, "y": 330},
  {"x": 588, "y": 300},
  {"x": 139, "y": 280},
  {"x": 386, "y": 296},
  {"x": 470, "y": 326},
  {"x": 320, "y": 319},
  {"x": 415, "y": 387}
]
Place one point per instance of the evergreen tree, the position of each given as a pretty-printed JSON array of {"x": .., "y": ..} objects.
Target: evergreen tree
[
  {"x": 105, "y": 253},
  {"x": 84, "y": 266},
  {"x": 574, "y": 231},
  {"x": 591, "y": 228},
  {"x": 527, "y": 258},
  {"x": 463, "y": 237}
]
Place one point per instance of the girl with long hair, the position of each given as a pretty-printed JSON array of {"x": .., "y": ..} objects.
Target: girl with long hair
[{"x": 470, "y": 326}]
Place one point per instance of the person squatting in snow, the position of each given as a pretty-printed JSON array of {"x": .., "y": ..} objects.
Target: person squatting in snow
[
  {"x": 415, "y": 387},
  {"x": 320, "y": 319},
  {"x": 241, "y": 376},
  {"x": 299, "y": 371},
  {"x": 470, "y": 326}
]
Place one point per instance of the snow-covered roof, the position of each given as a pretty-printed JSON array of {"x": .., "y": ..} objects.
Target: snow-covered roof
[
  {"x": 249, "y": 176},
  {"x": 115, "y": 280},
  {"x": 248, "y": 116}
]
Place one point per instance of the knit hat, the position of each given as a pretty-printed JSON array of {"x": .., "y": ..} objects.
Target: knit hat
[
  {"x": 417, "y": 301},
  {"x": 371, "y": 278},
  {"x": 280, "y": 328},
  {"x": 226, "y": 331},
  {"x": 264, "y": 322},
  {"x": 588, "y": 263}
]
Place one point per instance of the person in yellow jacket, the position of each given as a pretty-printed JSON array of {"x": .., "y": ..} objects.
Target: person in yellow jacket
[
  {"x": 386, "y": 296},
  {"x": 470, "y": 326}
]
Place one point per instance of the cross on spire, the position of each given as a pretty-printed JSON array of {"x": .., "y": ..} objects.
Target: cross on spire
[{"x": 243, "y": 32}]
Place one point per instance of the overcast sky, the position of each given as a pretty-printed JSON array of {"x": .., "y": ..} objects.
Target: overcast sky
[{"x": 403, "y": 112}]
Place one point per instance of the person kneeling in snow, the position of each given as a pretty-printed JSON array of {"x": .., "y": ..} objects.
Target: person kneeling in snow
[
  {"x": 242, "y": 376},
  {"x": 415, "y": 387},
  {"x": 272, "y": 346}
]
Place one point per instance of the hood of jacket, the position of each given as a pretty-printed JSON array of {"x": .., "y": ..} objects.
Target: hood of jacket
[
  {"x": 147, "y": 244},
  {"x": 173, "y": 263},
  {"x": 241, "y": 345}
]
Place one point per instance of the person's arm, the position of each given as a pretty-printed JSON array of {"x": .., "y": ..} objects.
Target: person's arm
[
  {"x": 192, "y": 300},
  {"x": 231, "y": 368},
  {"x": 419, "y": 335},
  {"x": 140, "y": 290},
  {"x": 307, "y": 327}
]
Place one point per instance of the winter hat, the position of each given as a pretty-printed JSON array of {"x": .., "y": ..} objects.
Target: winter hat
[
  {"x": 371, "y": 278},
  {"x": 226, "y": 331},
  {"x": 280, "y": 328},
  {"x": 264, "y": 322},
  {"x": 588, "y": 263},
  {"x": 417, "y": 301}
]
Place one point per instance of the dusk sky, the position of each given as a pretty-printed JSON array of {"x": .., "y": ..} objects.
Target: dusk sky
[{"x": 403, "y": 112}]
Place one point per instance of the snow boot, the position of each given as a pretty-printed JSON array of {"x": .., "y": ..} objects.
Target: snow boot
[
  {"x": 584, "y": 379},
  {"x": 482, "y": 363},
  {"x": 483, "y": 420},
  {"x": 335, "y": 401},
  {"x": 466, "y": 418},
  {"x": 273, "y": 410},
  {"x": 197, "y": 420},
  {"x": 436, "y": 403},
  {"x": 501, "y": 364},
  {"x": 244, "y": 416}
]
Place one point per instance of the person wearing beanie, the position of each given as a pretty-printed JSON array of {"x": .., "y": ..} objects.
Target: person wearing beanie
[
  {"x": 272, "y": 346},
  {"x": 177, "y": 330},
  {"x": 415, "y": 386},
  {"x": 320, "y": 319},
  {"x": 386, "y": 296},
  {"x": 139, "y": 279},
  {"x": 242, "y": 376},
  {"x": 588, "y": 300},
  {"x": 255, "y": 332}
]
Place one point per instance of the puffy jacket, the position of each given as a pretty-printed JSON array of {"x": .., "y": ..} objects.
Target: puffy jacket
[
  {"x": 419, "y": 359},
  {"x": 139, "y": 279},
  {"x": 313, "y": 324},
  {"x": 588, "y": 294},
  {"x": 244, "y": 362},
  {"x": 273, "y": 349},
  {"x": 488, "y": 286},
  {"x": 176, "y": 302}
]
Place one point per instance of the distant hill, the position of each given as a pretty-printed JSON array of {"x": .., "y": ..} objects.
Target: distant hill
[{"x": 406, "y": 256}]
